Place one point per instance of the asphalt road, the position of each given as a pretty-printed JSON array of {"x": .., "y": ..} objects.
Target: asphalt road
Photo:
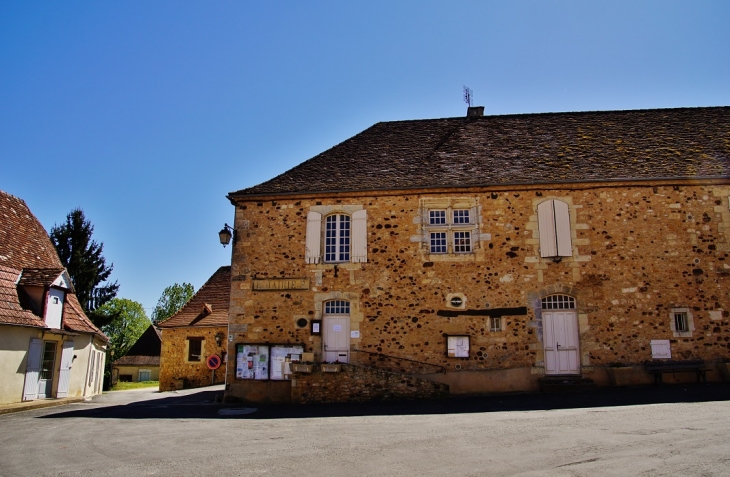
[{"x": 648, "y": 431}]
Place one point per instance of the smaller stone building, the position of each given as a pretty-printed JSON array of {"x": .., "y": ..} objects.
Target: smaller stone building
[
  {"x": 142, "y": 361},
  {"x": 195, "y": 333}
]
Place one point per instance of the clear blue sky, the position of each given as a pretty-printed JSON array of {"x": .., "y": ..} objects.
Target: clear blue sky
[{"x": 146, "y": 114}]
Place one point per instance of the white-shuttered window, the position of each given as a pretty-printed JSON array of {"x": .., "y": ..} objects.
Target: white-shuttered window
[
  {"x": 554, "y": 226},
  {"x": 345, "y": 237}
]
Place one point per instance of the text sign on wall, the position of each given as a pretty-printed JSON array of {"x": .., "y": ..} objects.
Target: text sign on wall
[{"x": 280, "y": 284}]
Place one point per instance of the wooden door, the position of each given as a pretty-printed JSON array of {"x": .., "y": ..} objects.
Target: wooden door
[
  {"x": 64, "y": 376},
  {"x": 561, "y": 342},
  {"x": 32, "y": 370},
  {"x": 336, "y": 338}
]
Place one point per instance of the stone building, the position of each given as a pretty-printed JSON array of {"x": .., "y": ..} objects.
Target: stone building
[
  {"x": 195, "y": 333},
  {"x": 142, "y": 361},
  {"x": 487, "y": 252}
]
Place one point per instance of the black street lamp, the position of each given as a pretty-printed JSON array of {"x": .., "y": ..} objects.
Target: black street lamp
[{"x": 225, "y": 235}]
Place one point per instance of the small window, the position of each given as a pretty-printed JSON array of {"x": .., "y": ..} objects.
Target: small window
[
  {"x": 437, "y": 217},
  {"x": 558, "y": 302},
  {"x": 438, "y": 242},
  {"x": 145, "y": 375},
  {"x": 337, "y": 307},
  {"x": 680, "y": 322},
  {"x": 195, "y": 347},
  {"x": 495, "y": 323},
  {"x": 461, "y": 216},
  {"x": 462, "y": 242}
]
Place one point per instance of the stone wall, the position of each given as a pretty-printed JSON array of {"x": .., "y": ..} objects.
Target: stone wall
[
  {"x": 638, "y": 251},
  {"x": 361, "y": 384},
  {"x": 173, "y": 358}
]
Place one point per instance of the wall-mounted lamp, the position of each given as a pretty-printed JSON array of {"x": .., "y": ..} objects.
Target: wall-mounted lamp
[
  {"x": 225, "y": 235},
  {"x": 219, "y": 336}
]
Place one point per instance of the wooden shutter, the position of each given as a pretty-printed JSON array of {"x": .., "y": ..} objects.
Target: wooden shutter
[
  {"x": 64, "y": 376},
  {"x": 359, "y": 236},
  {"x": 562, "y": 229},
  {"x": 30, "y": 391},
  {"x": 660, "y": 349},
  {"x": 314, "y": 238},
  {"x": 546, "y": 226}
]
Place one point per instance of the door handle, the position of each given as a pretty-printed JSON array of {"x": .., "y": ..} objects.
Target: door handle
[{"x": 557, "y": 345}]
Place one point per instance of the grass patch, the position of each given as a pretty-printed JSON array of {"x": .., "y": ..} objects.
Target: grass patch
[{"x": 122, "y": 386}]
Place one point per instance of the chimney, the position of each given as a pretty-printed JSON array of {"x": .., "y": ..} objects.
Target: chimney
[{"x": 475, "y": 111}]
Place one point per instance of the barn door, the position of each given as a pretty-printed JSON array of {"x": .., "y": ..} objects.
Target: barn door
[
  {"x": 32, "y": 372},
  {"x": 64, "y": 377}
]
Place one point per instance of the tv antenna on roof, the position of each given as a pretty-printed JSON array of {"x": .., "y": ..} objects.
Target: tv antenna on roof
[{"x": 468, "y": 96}]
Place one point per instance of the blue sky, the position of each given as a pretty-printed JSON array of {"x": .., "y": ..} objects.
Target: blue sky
[{"x": 146, "y": 114}]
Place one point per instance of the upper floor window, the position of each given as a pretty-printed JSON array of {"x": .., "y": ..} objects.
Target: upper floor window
[
  {"x": 444, "y": 231},
  {"x": 554, "y": 225},
  {"x": 345, "y": 237},
  {"x": 337, "y": 238},
  {"x": 558, "y": 302}
]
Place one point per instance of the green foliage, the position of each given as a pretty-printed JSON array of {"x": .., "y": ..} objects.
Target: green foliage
[
  {"x": 85, "y": 263},
  {"x": 128, "y": 321},
  {"x": 173, "y": 298}
]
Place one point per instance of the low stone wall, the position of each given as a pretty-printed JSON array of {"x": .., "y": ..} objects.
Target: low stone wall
[{"x": 361, "y": 384}]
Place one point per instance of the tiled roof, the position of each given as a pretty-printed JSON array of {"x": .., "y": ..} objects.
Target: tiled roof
[
  {"x": 208, "y": 307},
  {"x": 517, "y": 149},
  {"x": 27, "y": 251},
  {"x": 137, "y": 361},
  {"x": 24, "y": 243},
  {"x": 11, "y": 311},
  {"x": 74, "y": 318},
  {"x": 148, "y": 345},
  {"x": 40, "y": 277}
]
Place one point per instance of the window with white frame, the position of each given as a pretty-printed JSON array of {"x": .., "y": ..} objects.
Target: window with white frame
[
  {"x": 450, "y": 230},
  {"x": 495, "y": 323},
  {"x": 345, "y": 237},
  {"x": 681, "y": 322},
  {"x": 553, "y": 218}
]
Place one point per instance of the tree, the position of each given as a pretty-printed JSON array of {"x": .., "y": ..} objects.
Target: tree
[
  {"x": 85, "y": 263},
  {"x": 127, "y": 322},
  {"x": 173, "y": 298}
]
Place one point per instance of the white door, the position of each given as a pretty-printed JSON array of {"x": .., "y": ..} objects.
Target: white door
[
  {"x": 64, "y": 376},
  {"x": 336, "y": 338},
  {"x": 32, "y": 371},
  {"x": 561, "y": 342}
]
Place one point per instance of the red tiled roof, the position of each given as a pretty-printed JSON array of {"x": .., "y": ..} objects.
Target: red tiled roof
[
  {"x": 11, "y": 312},
  {"x": 208, "y": 307},
  {"x": 24, "y": 243},
  {"x": 25, "y": 247},
  {"x": 517, "y": 149}
]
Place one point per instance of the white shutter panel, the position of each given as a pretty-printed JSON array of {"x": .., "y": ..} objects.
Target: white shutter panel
[
  {"x": 64, "y": 376},
  {"x": 660, "y": 349},
  {"x": 359, "y": 236},
  {"x": 473, "y": 216},
  {"x": 30, "y": 391},
  {"x": 314, "y": 237},
  {"x": 562, "y": 229},
  {"x": 546, "y": 226}
]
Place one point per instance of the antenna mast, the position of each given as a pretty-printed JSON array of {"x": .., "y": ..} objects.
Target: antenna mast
[{"x": 468, "y": 96}]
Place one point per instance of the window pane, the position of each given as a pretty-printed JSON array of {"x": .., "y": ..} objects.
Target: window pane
[
  {"x": 462, "y": 242},
  {"x": 437, "y": 217},
  {"x": 461, "y": 216},
  {"x": 438, "y": 242},
  {"x": 558, "y": 302},
  {"x": 337, "y": 238},
  {"x": 194, "y": 349},
  {"x": 337, "y": 307},
  {"x": 680, "y": 322},
  {"x": 49, "y": 359}
]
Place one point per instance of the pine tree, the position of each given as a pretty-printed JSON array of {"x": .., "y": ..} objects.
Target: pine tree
[{"x": 85, "y": 263}]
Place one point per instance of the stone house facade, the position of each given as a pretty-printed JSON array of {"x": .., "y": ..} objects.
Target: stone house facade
[
  {"x": 195, "y": 333},
  {"x": 487, "y": 252}
]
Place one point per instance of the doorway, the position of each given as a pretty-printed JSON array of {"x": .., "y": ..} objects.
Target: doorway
[
  {"x": 560, "y": 335},
  {"x": 336, "y": 332}
]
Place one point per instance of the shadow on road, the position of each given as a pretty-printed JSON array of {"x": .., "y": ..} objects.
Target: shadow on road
[{"x": 203, "y": 405}]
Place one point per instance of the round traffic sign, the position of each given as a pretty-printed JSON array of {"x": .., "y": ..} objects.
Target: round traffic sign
[{"x": 213, "y": 361}]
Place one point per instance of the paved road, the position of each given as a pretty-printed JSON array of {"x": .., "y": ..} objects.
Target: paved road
[{"x": 652, "y": 431}]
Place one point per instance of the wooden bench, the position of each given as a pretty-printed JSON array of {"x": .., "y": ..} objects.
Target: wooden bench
[{"x": 658, "y": 368}]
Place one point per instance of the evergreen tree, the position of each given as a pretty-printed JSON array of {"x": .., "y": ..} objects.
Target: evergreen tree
[
  {"x": 173, "y": 298},
  {"x": 85, "y": 263}
]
